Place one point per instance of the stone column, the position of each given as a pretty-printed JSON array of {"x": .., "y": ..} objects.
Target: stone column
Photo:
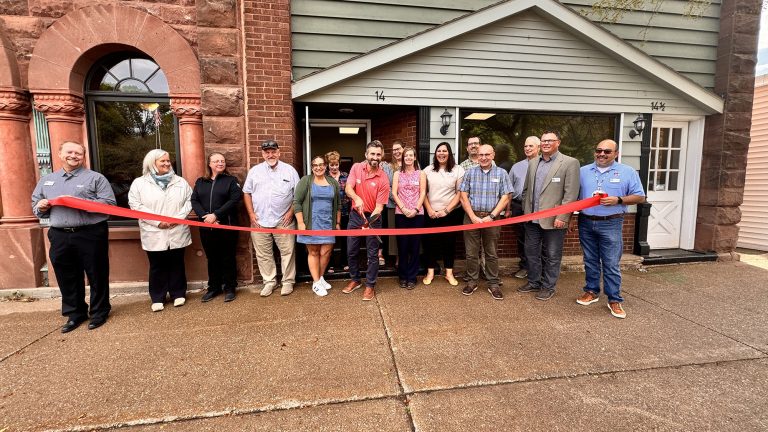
[
  {"x": 17, "y": 165},
  {"x": 20, "y": 234},
  {"x": 726, "y": 135},
  {"x": 65, "y": 115},
  {"x": 190, "y": 115}
]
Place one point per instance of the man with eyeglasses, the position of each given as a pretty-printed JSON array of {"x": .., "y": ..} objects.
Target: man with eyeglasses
[
  {"x": 552, "y": 180},
  {"x": 473, "y": 146},
  {"x": 600, "y": 226}
]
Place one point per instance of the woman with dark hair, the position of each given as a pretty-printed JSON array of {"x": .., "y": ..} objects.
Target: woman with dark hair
[
  {"x": 316, "y": 206},
  {"x": 442, "y": 203},
  {"x": 408, "y": 190},
  {"x": 215, "y": 200},
  {"x": 162, "y": 192}
]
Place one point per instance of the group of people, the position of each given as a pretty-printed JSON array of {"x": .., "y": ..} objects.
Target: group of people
[{"x": 328, "y": 199}]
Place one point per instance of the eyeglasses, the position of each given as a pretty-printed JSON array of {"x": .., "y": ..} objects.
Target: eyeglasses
[
  {"x": 603, "y": 151},
  {"x": 318, "y": 165},
  {"x": 549, "y": 141}
]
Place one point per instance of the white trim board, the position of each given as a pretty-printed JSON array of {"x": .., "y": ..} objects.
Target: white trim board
[{"x": 553, "y": 10}]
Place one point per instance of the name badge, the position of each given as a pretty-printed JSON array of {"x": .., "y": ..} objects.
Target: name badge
[
  {"x": 415, "y": 183},
  {"x": 495, "y": 180},
  {"x": 48, "y": 183},
  {"x": 555, "y": 179},
  {"x": 80, "y": 186},
  {"x": 358, "y": 181},
  {"x": 373, "y": 184},
  {"x": 615, "y": 180}
]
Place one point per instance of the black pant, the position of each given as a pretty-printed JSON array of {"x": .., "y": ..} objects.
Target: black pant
[
  {"x": 167, "y": 274},
  {"x": 220, "y": 247},
  {"x": 408, "y": 247},
  {"x": 442, "y": 245},
  {"x": 516, "y": 208},
  {"x": 85, "y": 251}
]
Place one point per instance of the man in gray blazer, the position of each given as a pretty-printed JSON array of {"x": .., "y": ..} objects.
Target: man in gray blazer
[{"x": 552, "y": 180}]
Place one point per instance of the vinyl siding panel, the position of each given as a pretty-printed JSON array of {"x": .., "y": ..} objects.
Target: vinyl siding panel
[
  {"x": 753, "y": 232},
  {"x": 523, "y": 62},
  {"x": 326, "y": 32}
]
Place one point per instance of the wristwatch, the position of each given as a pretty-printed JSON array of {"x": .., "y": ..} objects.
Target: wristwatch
[
  {"x": 621, "y": 201},
  {"x": 490, "y": 215}
]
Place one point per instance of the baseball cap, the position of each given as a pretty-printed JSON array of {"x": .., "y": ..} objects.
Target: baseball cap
[{"x": 269, "y": 145}]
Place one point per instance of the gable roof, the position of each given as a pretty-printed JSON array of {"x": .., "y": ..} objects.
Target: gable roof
[{"x": 552, "y": 10}]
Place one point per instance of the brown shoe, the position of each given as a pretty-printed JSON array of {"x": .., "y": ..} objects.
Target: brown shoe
[
  {"x": 617, "y": 310},
  {"x": 588, "y": 298},
  {"x": 368, "y": 294},
  {"x": 351, "y": 286}
]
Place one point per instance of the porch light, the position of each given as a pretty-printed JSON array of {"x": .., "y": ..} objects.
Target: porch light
[
  {"x": 639, "y": 126},
  {"x": 446, "y": 118}
]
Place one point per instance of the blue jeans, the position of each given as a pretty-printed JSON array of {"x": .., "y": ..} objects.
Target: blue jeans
[
  {"x": 601, "y": 242},
  {"x": 372, "y": 251},
  {"x": 544, "y": 250}
]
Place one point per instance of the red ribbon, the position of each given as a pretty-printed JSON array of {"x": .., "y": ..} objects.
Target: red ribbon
[{"x": 96, "y": 207}]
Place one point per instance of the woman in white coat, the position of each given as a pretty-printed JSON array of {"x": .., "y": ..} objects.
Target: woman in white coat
[{"x": 162, "y": 192}]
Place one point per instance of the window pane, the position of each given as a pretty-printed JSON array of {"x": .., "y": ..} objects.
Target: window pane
[
  {"x": 675, "y": 159},
  {"x": 125, "y": 132},
  {"x": 132, "y": 86},
  {"x": 677, "y": 135},
  {"x": 661, "y": 181},
  {"x": 506, "y": 132},
  {"x": 158, "y": 83},
  {"x": 663, "y": 138},
  {"x": 653, "y": 159},
  {"x": 142, "y": 68},
  {"x": 121, "y": 70},
  {"x": 672, "y": 181},
  {"x": 663, "y": 160},
  {"x": 108, "y": 83}
]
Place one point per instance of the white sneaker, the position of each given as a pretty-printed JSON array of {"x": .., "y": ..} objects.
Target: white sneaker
[
  {"x": 157, "y": 307},
  {"x": 179, "y": 302},
  {"x": 286, "y": 289},
  {"x": 325, "y": 283},
  {"x": 319, "y": 289},
  {"x": 267, "y": 290}
]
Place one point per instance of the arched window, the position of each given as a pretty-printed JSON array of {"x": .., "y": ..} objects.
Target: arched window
[{"x": 129, "y": 114}]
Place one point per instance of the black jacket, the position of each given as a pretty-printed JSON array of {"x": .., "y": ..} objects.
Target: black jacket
[{"x": 220, "y": 196}]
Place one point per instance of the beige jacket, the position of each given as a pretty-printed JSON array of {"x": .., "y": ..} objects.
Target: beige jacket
[
  {"x": 561, "y": 186},
  {"x": 145, "y": 195}
]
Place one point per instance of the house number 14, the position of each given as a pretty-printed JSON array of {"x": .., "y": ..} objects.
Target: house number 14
[{"x": 379, "y": 95}]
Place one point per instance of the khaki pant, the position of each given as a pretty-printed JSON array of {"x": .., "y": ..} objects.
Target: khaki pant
[{"x": 286, "y": 244}]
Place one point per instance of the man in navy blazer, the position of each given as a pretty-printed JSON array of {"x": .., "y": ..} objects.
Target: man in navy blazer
[{"x": 552, "y": 180}]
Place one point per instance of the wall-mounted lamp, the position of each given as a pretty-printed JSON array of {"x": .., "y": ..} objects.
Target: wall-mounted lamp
[
  {"x": 639, "y": 126},
  {"x": 446, "y": 119}
]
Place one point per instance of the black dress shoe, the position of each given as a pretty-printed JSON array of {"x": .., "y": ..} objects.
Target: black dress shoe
[
  {"x": 71, "y": 325},
  {"x": 210, "y": 295},
  {"x": 96, "y": 323},
  {"x": 229, "y": 296}
]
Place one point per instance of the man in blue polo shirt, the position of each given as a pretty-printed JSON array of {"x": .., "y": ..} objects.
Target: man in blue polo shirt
[{"x": 600, "y": 226}]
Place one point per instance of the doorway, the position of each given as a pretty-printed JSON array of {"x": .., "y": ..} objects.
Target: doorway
[{"x": 666, "y": 178}]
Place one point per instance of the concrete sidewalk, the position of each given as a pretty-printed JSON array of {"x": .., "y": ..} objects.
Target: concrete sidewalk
[{"x": 692, "y": 355}]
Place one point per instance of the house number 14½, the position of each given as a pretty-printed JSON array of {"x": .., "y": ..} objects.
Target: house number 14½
[{"x": 379, "y": 95}]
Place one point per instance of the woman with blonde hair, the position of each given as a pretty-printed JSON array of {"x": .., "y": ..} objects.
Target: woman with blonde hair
[{"x": 162, "y": 192}]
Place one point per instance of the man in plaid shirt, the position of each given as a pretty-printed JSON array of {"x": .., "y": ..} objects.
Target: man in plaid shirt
[{"x": 484, "y": 195}]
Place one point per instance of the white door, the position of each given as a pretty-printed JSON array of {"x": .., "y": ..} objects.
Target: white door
[{"x": 666, "y": 176}]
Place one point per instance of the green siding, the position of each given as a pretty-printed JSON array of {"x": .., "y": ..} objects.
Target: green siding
[{"x": 326, "y": 32}]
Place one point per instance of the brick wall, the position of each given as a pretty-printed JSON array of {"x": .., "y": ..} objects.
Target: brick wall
[
  {"x": 269, "y": 108},
  {"x": 401, "y": 125}
]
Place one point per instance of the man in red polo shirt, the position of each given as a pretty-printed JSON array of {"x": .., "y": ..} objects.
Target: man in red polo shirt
[{"x": 368, "y": 188}]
